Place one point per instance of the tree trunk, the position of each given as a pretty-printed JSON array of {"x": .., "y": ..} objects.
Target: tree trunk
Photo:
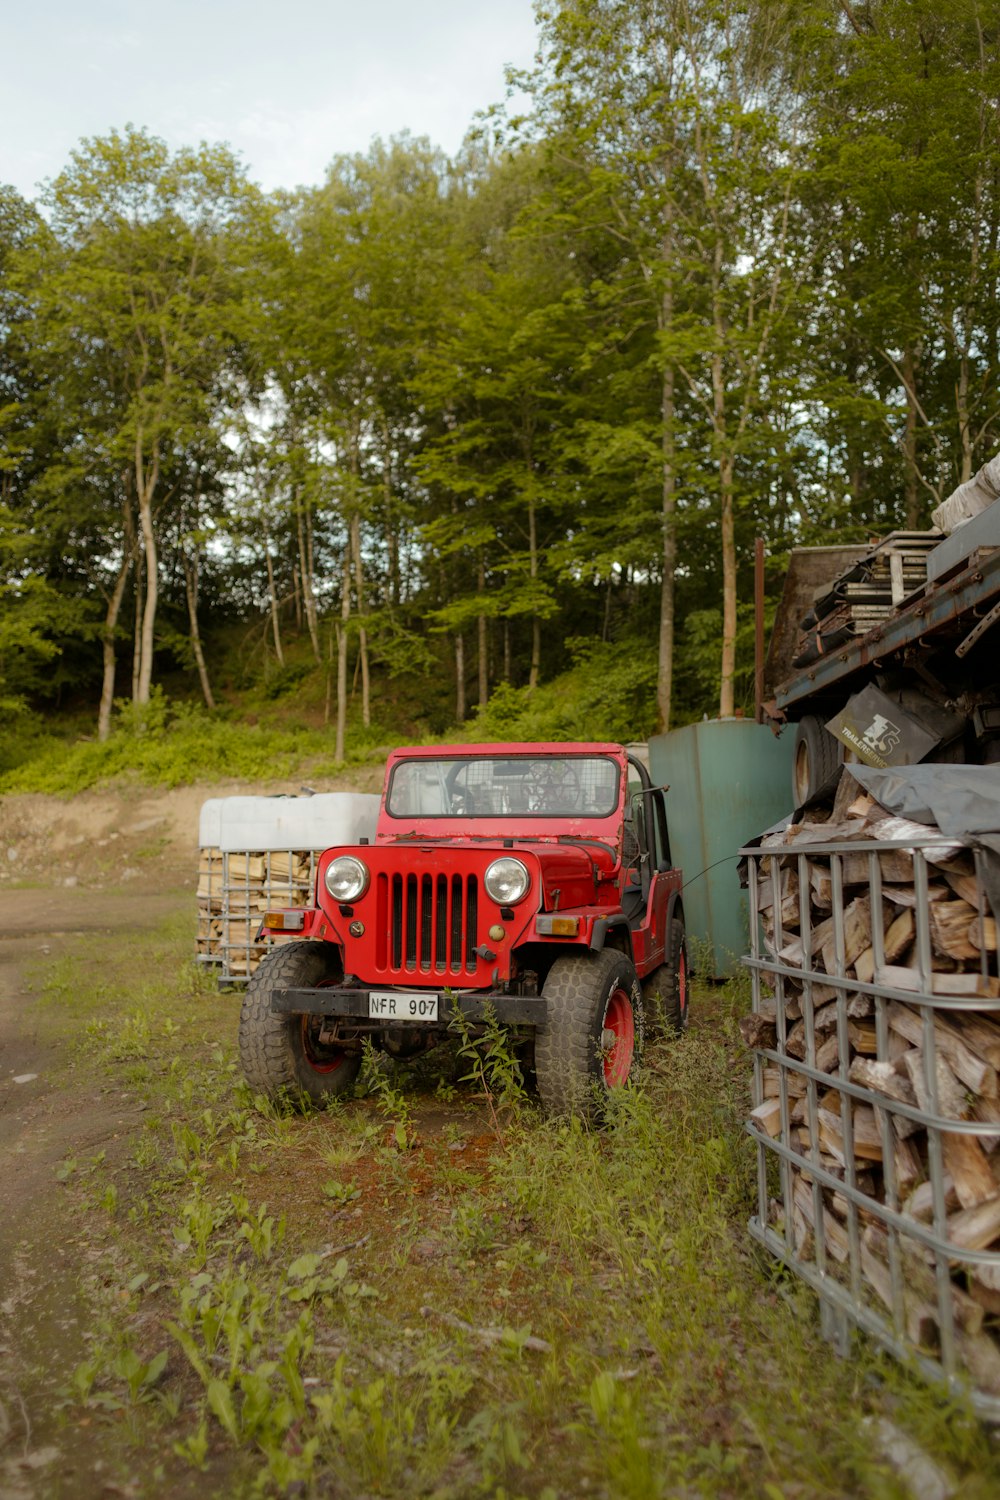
[
  {"x": 506, "y": 651},
  {"x": 728, "y": 530},
  {"x": 273, "y": 603},
  {"x": 459, "y": 679},
  {"x": 297, "y": 598},
  {"x": 910, "y": 486},
  {"x": 665, "y": 669},
  {"x": 329, "y": 678},
  {"x": 359, "y": 587},
  {"x": 483, "y": 639},
  {"x": 108, "y": 648},
  {"x": 190, "y": 565},
  {"x": 304, "y": 537},
  {"x": 345, "y": 615},
  {"x": 536, "y": 624},
  {"x": 391, "y": 520},
  {"x": 145, "y": 484},
  {"x": 137, "y": 626}
]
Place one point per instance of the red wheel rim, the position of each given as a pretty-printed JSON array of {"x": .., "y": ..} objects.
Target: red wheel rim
[
  {"x": 318, "y": 1063},
  {"x": 617, "y": 1059}
]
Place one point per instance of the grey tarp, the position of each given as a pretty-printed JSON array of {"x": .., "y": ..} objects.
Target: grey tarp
[{"x": 963, "y": 801}]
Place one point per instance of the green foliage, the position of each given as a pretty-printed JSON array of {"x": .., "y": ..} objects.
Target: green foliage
[
  {"x": 173, "y": 744},
  {"x": 609, "y": 693},
  {"x": 420, "y": 428}
]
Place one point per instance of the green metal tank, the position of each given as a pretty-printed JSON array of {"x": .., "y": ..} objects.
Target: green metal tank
[{"x": 729, "y": 779}]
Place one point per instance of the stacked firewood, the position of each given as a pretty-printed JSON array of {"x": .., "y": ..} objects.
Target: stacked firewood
[
  {"x": 940, "y": 1059},
  {"x": 234, "y": 892}
]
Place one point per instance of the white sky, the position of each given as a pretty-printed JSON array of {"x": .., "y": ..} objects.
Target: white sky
[{"x": 288, "y": 84}]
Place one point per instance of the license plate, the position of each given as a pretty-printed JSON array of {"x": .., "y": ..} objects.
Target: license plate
[{"x": 402, "y": 1005}]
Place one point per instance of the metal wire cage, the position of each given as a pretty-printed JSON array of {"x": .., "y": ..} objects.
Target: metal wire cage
[
  {"x": 876, "y": 1112},
  {"x": 235, "y": 889}
]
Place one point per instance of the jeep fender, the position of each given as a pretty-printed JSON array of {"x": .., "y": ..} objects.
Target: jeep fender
[{"x": 601, "y": 936}]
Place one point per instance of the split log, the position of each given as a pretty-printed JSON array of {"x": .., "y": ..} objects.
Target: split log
[
  {"x": 920, "y": 1204},
  {"x": 898, "y": 937},
  {"x": 975, "y": 1228},
  {"x": 788, "y": 885},
  {"x": 907, "y": 1164},
  {"x": 866, "y": 1136},
  {"x": 987, "y": 1298},
  {"x": 967, "y": 1313},
  {"x": 981, "y": 1034},
  {"x": 949, "y": 923},
  {"x": 758, "y": 1031},
  {"x": 820, "y": 887},
  {"x": 864, "y": 1037},
  {"x": 963, "y": 882},
  {"x": 767, "y": 1005},
  {"x": 834, "y": 1234},
  {"x": 920, "y": 1319},
  {"x": 982, "y": 986},
  {"x": 850, "y": 794},
  {"x": 896, "y": 866},
  {"x": 882, "y": 1078},
  {"x": 767, "y": 1117},
  {"x": 951, "y": 1101},
  {"x": 795, "y": 1084},
  {"x": 905, "y": 895},
  {"x": 981, "y": 1359},
  {"x": 977, "y": 1075},
  {"x": 857, "y": 930},
  {"x": 795, "y": 1041},
  {"x": 825, "y": 1018},
  {"x": 988, "y": 1112},
  {"x": 969, "y": 1167},
  {"x": 828, "y": 1054},
  {"x": 982, "y": 935}
]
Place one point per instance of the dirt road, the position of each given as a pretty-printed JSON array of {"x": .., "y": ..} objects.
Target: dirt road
[{"x": 44, "y": 1122}]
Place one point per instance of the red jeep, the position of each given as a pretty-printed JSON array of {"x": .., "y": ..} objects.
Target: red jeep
[{"x": 531, "y": 880}]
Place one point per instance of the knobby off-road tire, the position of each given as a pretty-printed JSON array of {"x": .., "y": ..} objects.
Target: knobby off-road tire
[
  {"x": 673, "y": 981},
  {"x": 593, "y": 1036},
  {"x": 665, "y": 992},
  {"x": 281, "y": 1055}
]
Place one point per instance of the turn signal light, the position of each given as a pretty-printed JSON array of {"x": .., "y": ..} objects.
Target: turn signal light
[
  {"x": 557, "y": 926},
  {"x": 285, "y": 921}
]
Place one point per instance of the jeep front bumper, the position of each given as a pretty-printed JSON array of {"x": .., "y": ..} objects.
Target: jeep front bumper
[{"x": 355, "y": 1003}]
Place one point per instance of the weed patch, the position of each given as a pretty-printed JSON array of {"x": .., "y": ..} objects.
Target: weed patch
[{"x": 430, "y": 1290}]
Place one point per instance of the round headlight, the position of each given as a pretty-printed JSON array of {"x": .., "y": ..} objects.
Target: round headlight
[
  {"x": 346, "y": 878},
  {"x": 506, "y": 881}
]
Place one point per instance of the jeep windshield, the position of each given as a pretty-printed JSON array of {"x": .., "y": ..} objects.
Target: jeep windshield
[{"x": 491, "y": 786}]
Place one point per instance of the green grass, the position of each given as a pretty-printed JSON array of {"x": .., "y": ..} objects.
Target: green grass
[
  {"x": 430, "y": 1290},
  {"x": 176, "y": 744}
]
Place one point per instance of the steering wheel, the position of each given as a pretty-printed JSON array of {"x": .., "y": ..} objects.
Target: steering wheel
[
  {"x": 553, "y": 786},
  {"x": 463, "y": 804},
  {"x": 458, "y": 798}
]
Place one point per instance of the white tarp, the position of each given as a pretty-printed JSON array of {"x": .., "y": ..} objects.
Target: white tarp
[
  {"x": 971, "y": 498},
  {"x": 260, "y": 824}
]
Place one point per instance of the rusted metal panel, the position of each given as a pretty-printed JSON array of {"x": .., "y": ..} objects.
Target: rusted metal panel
[
  {"x": 927, "y": 621},
  {"x": 809, "y": 568}
]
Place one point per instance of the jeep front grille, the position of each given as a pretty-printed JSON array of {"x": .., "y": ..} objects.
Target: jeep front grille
[{"x": 430, "y": 922}]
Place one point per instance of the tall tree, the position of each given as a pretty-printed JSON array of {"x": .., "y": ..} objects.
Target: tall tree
[{"x": 136, "y": 314}]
